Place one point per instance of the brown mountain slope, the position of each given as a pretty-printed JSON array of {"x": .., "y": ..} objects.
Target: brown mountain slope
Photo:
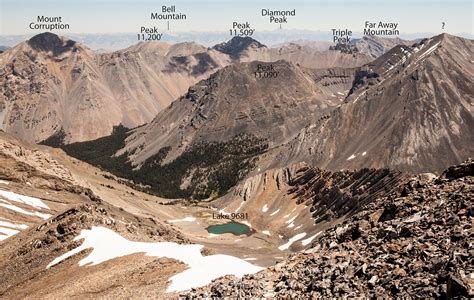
[
  {"x": 50, "y": 84},
  {"x": 411, "y": 109},
  {"x": 234, "y": 101}
]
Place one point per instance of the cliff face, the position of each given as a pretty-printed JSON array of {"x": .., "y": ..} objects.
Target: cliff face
[{"x": 332, "y": 195}]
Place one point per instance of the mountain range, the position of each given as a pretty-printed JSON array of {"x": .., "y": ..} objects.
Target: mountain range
[
  {"x": 52, "y": 85},
  {"x": 385, "y": 114},
  {"x": 304, "y": 170}
]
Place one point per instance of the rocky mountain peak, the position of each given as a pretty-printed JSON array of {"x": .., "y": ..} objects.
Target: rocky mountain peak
[
  {"x": 237, "y": 45},
  {"x": 50, "y": 42}
]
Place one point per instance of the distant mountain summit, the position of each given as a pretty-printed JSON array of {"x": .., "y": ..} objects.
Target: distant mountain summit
[
  {"x": 237, "y": 46},
  {"x": 51, "y": 42}
]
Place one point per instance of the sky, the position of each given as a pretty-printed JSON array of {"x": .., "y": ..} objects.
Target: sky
[{"x": 114, "y": 16}]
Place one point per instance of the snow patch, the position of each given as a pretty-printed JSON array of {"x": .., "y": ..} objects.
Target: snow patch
[
  {"x": 265, "y": 208},
  {"x": 4, "y": 182},
  {"x": 362, "y": 94},
  {"x": 292, "y": 240},
  {"x": 35, "y": 202},
  {"x": 364, "y": 153},
  {"x": 351, "y": 157},
  {"x": 286, "y": 216},
  {"x": 222, "y": 211},
  {"x": 25, "y": 212},
  {"x": 291, "y": 220},
  {"x": 8, "y": 231},
  {"x": 246, "y": 223},
  {"x": 186, "y": 219},
  {"x": 11, "y": 225},
  {"x": 266, "y": 232},
  {"x": 240, "y": 206},
  {"x": 310, "y": 239},
  {"x": 429, "y": 51},
  {"x": 275, "y": 212},
  {"x": 106, "y": 245},
  {"x": 413, "y": 218}
]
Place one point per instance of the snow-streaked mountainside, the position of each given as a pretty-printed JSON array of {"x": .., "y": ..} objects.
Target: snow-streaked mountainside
[{"x": 411, "y": 109}]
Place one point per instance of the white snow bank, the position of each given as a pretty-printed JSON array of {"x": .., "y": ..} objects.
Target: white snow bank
[
  {"x": 266, "y": 232},
  {"x": 11, "y": 225},
  {"x": 35, "y": 202},
  {"x": 351, "y": 157},
  {"x": 240, "y": 206},
  {"x": 25, "y": 212},
  {"x": 186, "y": 219},
  {"x": 292, "y": 240},
  {"x": 364, "y": 153},
  {"x": 429, "y": 51},
  {"x": 246, "y": 223},
  {"x": 310, "y": 239},
  {"x": 286, "y": 216},
  {"x": 265, "y": 208},
  {"x": 8, "y": 231},
  {"x": 222, "y": 211},
  {"x": 4, "y": 182},
  {"x": 107, "y": 244},
  {"x": 291, "y": 220},
  {"x": 275, "y": 212}
]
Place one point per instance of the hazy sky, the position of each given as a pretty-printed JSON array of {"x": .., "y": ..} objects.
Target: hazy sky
[{"x": 108, "y": 16}]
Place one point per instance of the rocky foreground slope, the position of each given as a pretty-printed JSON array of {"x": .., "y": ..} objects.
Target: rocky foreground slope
[{"x": 414, "y": 242}]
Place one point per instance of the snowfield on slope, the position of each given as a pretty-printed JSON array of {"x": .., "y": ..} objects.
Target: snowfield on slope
[
  {"x": 292, "y": 240},
  {"x": 186, "y": 219},
  {"x": 107, "y": 244},
  {"x": 35, "y": 202}
]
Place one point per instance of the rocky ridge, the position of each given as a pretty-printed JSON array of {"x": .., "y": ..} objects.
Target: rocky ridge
[{"x": 27, "y": 254}]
